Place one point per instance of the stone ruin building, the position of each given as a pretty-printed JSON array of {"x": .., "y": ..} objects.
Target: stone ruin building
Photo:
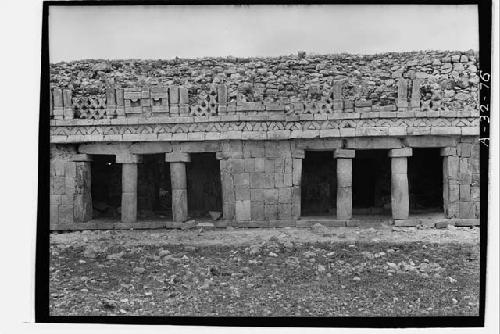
[{"x": 265, "y": 142}]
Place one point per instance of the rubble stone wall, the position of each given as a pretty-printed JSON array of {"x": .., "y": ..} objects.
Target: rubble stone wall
[{"x": 446, "y": 77}]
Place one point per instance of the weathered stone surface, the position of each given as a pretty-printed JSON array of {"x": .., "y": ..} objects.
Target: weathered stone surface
[
  {"x": 401, "y": 152},
  {"x": 344, "y": 154},
  {"x": 399, "y": 188},
  {"x": 373, "y": 143},
  {"x": 344, "y": 188},
  {"x": 242, "y": 193},
  {"x": 257, "y": 210},
  {"x": 129, "y": 193},
  {"x": 243, "y": 210},
  {"x": 177, "y": 157},
  {"x": 178, "y": 182},
  {"x": 179, "y": 205},
  {"x": 262, "y": 180}
]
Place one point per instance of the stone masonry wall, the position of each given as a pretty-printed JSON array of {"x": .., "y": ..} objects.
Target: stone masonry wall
[
  {"x": 62, "y": 183},
  {"x": 260, "y": 181},
  {"x": 462, "y": 180}
]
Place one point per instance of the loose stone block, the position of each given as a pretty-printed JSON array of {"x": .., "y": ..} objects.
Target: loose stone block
[{"x": 243, "y": 210}]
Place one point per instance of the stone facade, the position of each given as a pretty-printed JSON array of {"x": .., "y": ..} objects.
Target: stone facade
[{"x": 261, "y": 142}]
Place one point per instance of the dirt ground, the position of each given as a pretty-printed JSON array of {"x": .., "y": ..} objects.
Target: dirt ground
[{"x": 249, "y": 236}]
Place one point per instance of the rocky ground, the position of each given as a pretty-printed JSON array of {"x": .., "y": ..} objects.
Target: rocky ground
[{"x": 266, "y": 272}]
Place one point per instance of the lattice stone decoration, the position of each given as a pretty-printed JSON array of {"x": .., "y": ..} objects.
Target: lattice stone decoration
[{"x": 173, "y": 101}]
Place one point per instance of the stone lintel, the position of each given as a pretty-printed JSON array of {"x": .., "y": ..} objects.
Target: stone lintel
[
  {"x": 105, "y": 149},
  {"x": 82, "y": 158},
  {"x": 128, "y": 158},
  {"x": 344, "y": 154},
  {"x": 298, "y": 154},
  {"x": 430, "y": 141},
  {"x": 151, "y": 148},
  {"x": 401, "y": 152},
  {"x": 177, "y": 157},
  {"x": 373, "y": 143},
  {"x": 447, "y": 151}
]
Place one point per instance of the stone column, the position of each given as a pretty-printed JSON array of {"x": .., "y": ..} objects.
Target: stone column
[
  {"x": 344, "y": 182},
  {"x": 297, "y": 157},
  {"x": 82, "y": 198},
  {"x": 129, "y": 186},
  {"x": 400, "y": 198},
  {"x": 228, "y": 193},
  {"x": 178, "y": 181},
  {"x": 450, "y": 182}
]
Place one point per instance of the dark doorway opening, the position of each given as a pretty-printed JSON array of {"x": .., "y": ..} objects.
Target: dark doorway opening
[
  {"x": 371, "y": 183},
  {"x": 154, "y": 195},
  {"x": 319, "y": 184},
  {"x": 204, "y": 185},
  {"x": 425, "y": 181},
  {"x": 106, "y": 187}
]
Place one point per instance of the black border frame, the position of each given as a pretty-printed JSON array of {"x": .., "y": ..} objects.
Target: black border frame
[{"x": 42, "y": 314}]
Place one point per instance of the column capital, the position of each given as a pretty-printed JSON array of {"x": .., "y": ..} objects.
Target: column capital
[
  {"x": 177, "y": 157},
  {"x": 82, "y": 158},
  {"x": 298, "y": 154},
  {"x": 447, "y": 151},
  {"x": 401, "y": 152},
  {"x": 128, "y": 159},
  {"x": 344, "y": 154}
]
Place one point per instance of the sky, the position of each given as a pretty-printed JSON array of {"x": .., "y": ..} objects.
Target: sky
[{"x": 165, "y": 32}]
